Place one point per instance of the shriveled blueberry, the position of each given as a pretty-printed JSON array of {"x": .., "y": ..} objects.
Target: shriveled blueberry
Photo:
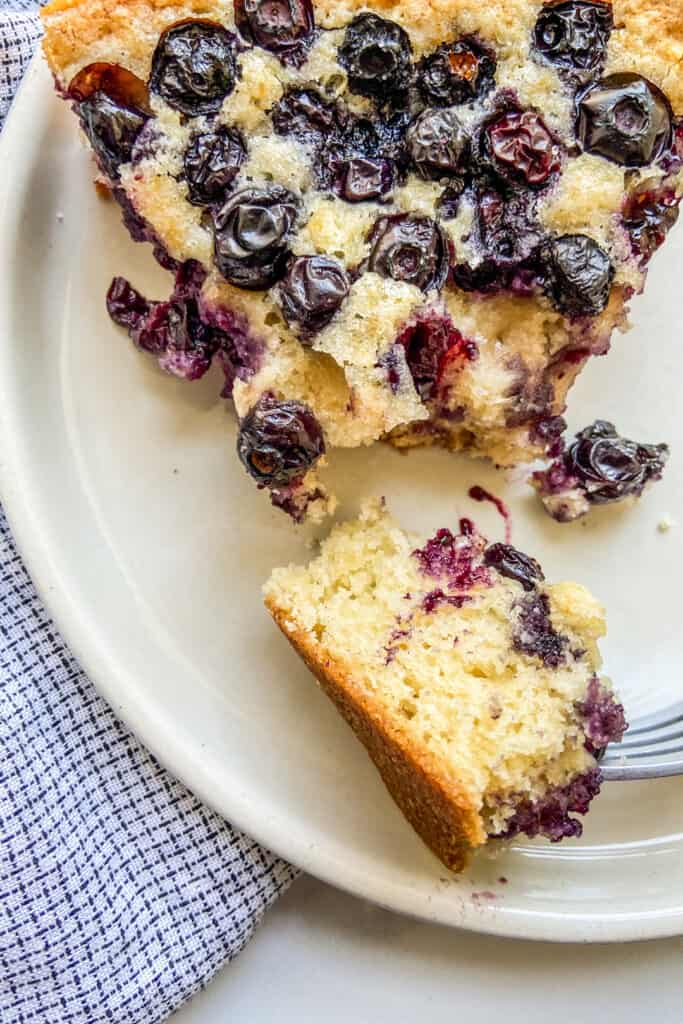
[
  {"x": 507, "y": 236},
  {"x": 356, "y": 162},
  {"x": 303, "y": 114},
  {"x": 284, "y": 27},
  {"x": 279, "y": 441},
  {"x": 364, "y": 179},
  {"x": 251, "y": 232},
  {"x": 649, "y": 213},
  {"x": 312, "y": 291},
  {"x": 173, "y": 331},
  {"x": 626, "y": 119},
  {"x": 437, "y": 144},
  {"x": 514, "y": 564},
  {"x": 117, "y": 82},
  {"x": 573, "y": 35},
  {"x": 456, "y": 73},
  {"x": 111, "y": 129},
  {"x": 211, "y": 163},
  {"x": 125, "y": 305},
  {"x": 610, "y": 467},
  {"x": 376, "y": 55},
  {"x": 522, "y": 149},
  {"x": 578, "y": 275},
  {"x": 410, "y": 249},
  {"x": 193, "y": 67},
  {"x": 508, "y": 230}
]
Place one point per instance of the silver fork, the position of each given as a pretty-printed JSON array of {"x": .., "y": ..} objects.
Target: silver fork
[{"x": 652, "y": 748}]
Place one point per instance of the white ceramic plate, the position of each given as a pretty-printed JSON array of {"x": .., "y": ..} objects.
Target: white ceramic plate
[{"x": 149, "y": 545}]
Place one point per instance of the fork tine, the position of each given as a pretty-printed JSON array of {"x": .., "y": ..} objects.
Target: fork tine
[
  {"x": 649, "y": 739},
  {"x": 652, "y": 748},
  {"x": 655, "y": 769},
  {"x": 667, "y": 716}
]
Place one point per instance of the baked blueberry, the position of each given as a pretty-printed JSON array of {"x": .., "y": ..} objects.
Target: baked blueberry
[
  {"x": 611, "y": 467},
  {"x": 507, "y": 236},
  {"x": 118, "y": 83},
  {"x": 282, "y": 26},
  {"x": 573, "y": 35},
  {"x": 362, "y": 179},
  {"x": 578, "y": 275},
  {"x": 456, "y": 73},
  {"x": 376, "y": 56},
  {"x": 431, "y": 343},
  {"x": 278, "y": 441},
  {"x": 410, "y": 249},
  {"x": 193, "y": 67},
  {"x": 625, "y": 118},
  {"x": 303, "y": 114},
  {"x": 599, "y": 467},
  {"x": 514, "y": 564},
  {"x": 521, "y": 148},
  {"x": 437, "y": 144},
  {"x": 251, "y": 231},
  {"x": 111, "y": 129},
  {"x": 211, "y": 163},
  {"x": 356, "y": 162},
  {"x": 312, "y": 291},
  {"x": 173, "y": 331},
  {"x": 649, "y": 213}
]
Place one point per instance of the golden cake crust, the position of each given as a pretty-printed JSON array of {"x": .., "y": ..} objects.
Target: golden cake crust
[
  {"x": 440, "y": 811},
  {"x": 648, "y": 34}
]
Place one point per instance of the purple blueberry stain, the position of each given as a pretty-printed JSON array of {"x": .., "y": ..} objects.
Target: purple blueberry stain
[
  {"x": 550, "y": 816},
  {"x": 533, "y": 633},
  {"x": 436, "y": 598},
  {"x": 455, "y": 559},
  {"x": 432, "y": 344},
  {"x": 602, "y": 716}
]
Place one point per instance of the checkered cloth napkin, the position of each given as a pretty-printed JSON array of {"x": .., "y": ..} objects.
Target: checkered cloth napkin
[{"x": 120, "y": 894}]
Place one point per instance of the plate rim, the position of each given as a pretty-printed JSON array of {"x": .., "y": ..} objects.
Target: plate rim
[{"x": 30, "y": 108}]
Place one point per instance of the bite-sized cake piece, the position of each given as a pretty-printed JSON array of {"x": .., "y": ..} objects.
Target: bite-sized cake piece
[
  {"x": 471, "y": 681},
  {"x": 415, "y": 220},
  {"x": 598, "y": 468}
]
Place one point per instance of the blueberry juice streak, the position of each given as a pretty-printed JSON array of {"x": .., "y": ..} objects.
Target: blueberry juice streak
[{"x": 477, "y": 493}]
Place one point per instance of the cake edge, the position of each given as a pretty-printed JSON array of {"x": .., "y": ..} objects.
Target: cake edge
[{"x": 441, "y": 812}]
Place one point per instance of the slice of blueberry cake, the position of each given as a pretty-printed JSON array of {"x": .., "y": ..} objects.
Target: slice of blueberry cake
[
  {"x": 471, "y": 681},
  {"x": 413, "y": 221}
]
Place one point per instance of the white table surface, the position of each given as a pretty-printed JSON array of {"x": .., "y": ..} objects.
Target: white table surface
[{"x": 323, "y": 956}]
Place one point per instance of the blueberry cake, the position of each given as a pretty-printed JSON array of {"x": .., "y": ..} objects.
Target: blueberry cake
[
  {"x": 412, "y": 221},
  {"x": 598, "y": 468},
  {"x": 471, "y": 681}
]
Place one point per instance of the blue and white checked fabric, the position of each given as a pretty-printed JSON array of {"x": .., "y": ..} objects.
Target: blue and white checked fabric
[{"x": 120, "y": 894}]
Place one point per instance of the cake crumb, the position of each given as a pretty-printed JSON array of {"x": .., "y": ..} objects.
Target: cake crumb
[{"x": 666, "y": 524}]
